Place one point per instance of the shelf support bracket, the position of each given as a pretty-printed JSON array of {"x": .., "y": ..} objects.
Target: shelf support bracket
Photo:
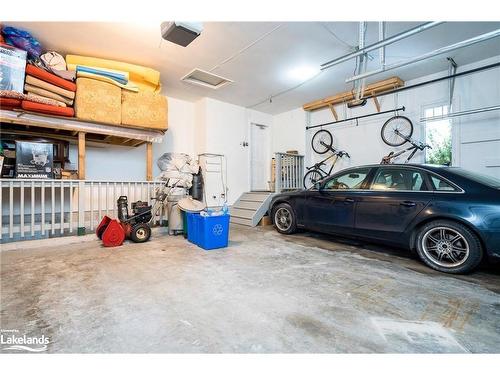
[
  {"x": 334, "y": 112},
  {"x": 377, "y": 103}
]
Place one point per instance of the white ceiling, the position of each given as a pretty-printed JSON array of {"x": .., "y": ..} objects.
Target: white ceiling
[{"x": 263, "y": 69}]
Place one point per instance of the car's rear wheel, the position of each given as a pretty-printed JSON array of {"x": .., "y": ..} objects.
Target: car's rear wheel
[
  {"x": 449, "y": 247},
  {"x": 284, "y": 218}
]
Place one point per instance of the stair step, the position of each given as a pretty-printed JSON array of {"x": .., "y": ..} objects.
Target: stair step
[
  {"x": 249, "y": 205},
  {"x": 254, "y": 197},
  {"x": 242, "y": 213},
  {"x": 238, "y": 220}
]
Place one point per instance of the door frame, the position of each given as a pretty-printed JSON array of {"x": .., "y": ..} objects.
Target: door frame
[{"x": 267, "y": 151}]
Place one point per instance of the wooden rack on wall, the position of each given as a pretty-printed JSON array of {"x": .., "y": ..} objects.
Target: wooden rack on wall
[{"x": 372, "y": 89}]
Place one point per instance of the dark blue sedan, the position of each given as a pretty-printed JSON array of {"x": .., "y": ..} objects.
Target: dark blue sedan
[{"x": 448, "y": 215}]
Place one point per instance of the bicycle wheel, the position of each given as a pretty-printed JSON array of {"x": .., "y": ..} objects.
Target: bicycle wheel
[
  {"x": 322, "y": 141},
  {"x": 311, "y": 178},
  {"x": 400, "y": 123}
]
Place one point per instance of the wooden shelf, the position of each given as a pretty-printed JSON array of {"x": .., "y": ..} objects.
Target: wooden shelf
[
  {"x": 67, "y": 128},
  {"x": 345, "y": 97},
  {"x": 82, "y": 133}
]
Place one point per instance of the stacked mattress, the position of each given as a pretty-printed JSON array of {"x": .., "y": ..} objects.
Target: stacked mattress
[
  {"x": 144, "y": 109},
  {"x": 98, "y": 101},
  {"x": 118, "y": 93}
]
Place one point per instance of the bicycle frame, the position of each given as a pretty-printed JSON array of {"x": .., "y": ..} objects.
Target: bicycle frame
[
  {"x": 335, "y": 154},
  {"x": 414, "y": 147}
]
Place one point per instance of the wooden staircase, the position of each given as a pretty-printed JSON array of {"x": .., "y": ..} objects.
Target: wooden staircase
[{"x": 250, "y": 207}]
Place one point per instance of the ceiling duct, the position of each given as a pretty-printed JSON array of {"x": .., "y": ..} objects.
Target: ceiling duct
[{"x": 206, "y": 79}]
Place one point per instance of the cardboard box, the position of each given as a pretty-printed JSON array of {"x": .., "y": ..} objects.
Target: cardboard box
[
  {"x": 8, "y": 168},
  {"x": 266, "y": 220},
  {"x": 12, "y": 66},
  {"x": 34, "y": 160}
]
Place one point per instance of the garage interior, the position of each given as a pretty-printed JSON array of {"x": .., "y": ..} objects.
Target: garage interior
[{"x": 180, "y": 119}]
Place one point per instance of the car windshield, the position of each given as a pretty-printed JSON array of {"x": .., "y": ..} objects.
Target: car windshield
[{"x": 478, "y": 177}]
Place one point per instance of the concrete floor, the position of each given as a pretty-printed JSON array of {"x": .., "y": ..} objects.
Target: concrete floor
[{"x": 265, "y": 293}]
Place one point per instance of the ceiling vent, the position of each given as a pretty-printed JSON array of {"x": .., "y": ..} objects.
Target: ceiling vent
[{"x": 206, "y": 79}]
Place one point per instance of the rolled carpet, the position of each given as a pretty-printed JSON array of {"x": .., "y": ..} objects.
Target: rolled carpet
[
  {"x": 47, "y": 94},
  {"x": 10, "y": 103},
  {"x": 47, "y": 109},
  {"x": 145, "y": 78},
  {"x": 49, "y": 87},
  {"x": 49, "y": 77}
]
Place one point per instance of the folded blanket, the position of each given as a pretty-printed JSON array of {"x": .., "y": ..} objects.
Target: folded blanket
[
  {"x": 43, "y": 100},
  {"x": 118, "y": 77},
  {"x": 49, "y": 77},
  {"x": 47, "y": 109},
  {"x": 49, "y": 87},
  {"x": 145, "y": 78},
  {"x": 10, "y": 103},
  {"x": 69, "y": 75},
  {"x": 11, "y": 94},
  {"x": 128, "y": 86},
  {"x": 48, "y": 94}
]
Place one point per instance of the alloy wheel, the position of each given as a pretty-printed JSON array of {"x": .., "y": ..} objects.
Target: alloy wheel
[
  {"x": 283, "y": 219},
  {"x": 445, "y": 247}
]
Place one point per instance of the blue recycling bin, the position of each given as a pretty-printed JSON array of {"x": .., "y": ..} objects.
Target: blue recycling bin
[
  {"x": 192, "y": 230},
  {"x": 208, "y": 232}
]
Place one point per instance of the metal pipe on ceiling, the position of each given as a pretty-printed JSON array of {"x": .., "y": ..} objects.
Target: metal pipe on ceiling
[
  {"x": 439, "y": 51},
  {"x": 435, "y": 80},
  {"x": 381, "y": 37},
  {"x": 382, "y": 43},
  {"x": 395, "y": 111},
  {"x": 461, "y": 113}
]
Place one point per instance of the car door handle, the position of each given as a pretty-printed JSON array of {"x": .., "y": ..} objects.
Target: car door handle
[
  {"x": 348, "y": 200},
  {"x": 408, "y": 204}
]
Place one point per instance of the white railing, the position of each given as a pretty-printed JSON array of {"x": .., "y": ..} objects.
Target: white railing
[
  {"x": 35, "y": 209},
  {"x": 289, "y": 171}
]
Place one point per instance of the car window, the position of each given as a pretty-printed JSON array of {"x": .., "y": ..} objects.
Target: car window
[
  {"x": 349, "y": 180},
  {"x": 399, "y": 179},
  {"x": 441, "y": 185}
]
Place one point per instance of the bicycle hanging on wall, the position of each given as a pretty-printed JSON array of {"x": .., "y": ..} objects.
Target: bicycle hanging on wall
[
  {"x": 322, "y": 143},
  {"x": 396, "y": 132}
]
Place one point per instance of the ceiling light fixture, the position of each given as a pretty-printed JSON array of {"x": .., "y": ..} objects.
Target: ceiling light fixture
[{"x": 303, "y": 72}]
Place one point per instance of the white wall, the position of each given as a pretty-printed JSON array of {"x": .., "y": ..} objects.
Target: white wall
[
  {"x": 288, "y": 131},
  {"x": 205, "y": 126},
  {"x": 223, "y": 128},
  {"x": 476, "y": 137}
]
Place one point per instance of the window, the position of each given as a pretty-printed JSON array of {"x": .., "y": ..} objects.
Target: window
[
  {"x": 438, "y": 136},
  {"x": 399, "y": 179},
  {"x": 441, "y": 185},
  {"x": 350, "y": 180}
]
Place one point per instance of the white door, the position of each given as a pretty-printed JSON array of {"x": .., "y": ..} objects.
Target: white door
[{"x": 260, "y": 156}]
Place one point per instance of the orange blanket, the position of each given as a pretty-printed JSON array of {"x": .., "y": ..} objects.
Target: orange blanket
[
  {"x": 49, "y": 77},
  {"x": 47, "y": 109},
  {"x": 9, "y": 103}
]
